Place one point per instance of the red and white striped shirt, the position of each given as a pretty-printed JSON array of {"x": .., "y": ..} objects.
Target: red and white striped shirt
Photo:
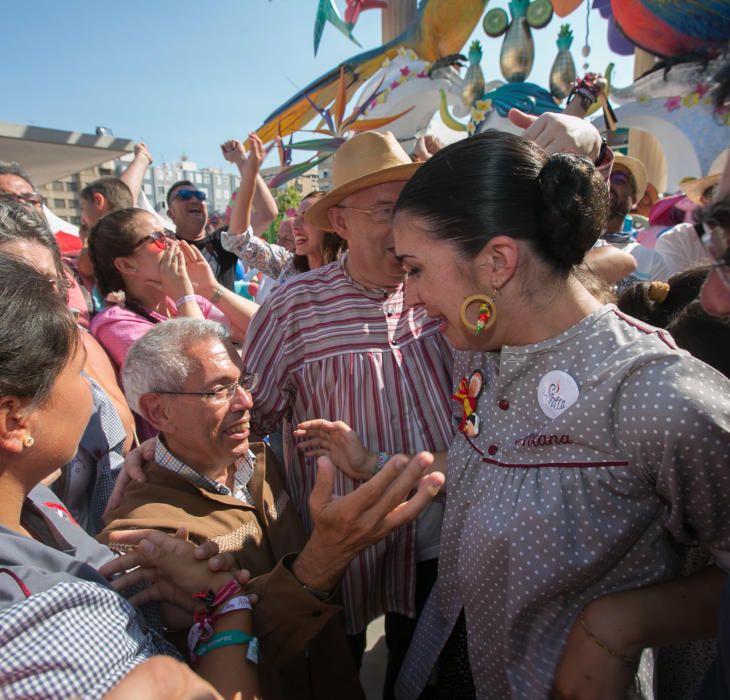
[{"x": 327, "y": 347}]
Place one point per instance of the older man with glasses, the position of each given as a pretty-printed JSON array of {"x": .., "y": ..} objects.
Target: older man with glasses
[{"x": 185, "y": 378}]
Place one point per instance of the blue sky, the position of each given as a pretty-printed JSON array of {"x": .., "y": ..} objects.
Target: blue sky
[{"x": 185, "y": 76}]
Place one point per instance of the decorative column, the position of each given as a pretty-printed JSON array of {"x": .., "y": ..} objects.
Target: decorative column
[
  {"x": 396, "y": 17},
  {"x": 642, "y": 144}
]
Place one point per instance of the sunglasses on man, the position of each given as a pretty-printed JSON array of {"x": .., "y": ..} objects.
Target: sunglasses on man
[
  {"x": 186, "y": 195},
  {"x": 621, "y": 177}
]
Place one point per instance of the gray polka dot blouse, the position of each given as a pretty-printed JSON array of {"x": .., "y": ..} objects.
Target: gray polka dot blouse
[{"x": 570, "y": 492}]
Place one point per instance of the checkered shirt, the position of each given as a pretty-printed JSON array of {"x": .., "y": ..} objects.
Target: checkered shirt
[
  {"x": 76, "y": 639},
  {"x": 244, "y": 472}
]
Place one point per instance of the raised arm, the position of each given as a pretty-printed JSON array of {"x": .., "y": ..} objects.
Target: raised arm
[
  {"x": 134, "y": 174},
  {"x": 250, "y": 190},
  {"x": 235, "y": 308}
]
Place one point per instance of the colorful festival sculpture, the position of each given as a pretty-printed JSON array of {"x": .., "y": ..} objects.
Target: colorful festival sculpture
[{"x": 404, "y": 83}]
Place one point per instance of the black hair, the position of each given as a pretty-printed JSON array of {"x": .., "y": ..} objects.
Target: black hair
[
  {"x": 113, "y": 236},
  {"x": 497, "y": 183},
  {"x": 38, "y": 335},
  {"x": 705, "y": 336},
  {"x": 684, "y": 287},
  {"x": 179, "y": 183},
  {"x": 114, "y": 189},
  {"x": 716, "y": 213}
]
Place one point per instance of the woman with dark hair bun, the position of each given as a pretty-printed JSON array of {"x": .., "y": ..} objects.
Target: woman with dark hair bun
[{"x": 587, "y": 444}]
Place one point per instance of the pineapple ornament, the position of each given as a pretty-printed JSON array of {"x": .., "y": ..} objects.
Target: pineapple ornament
[
  {"x": 474, "y": 84},
  {"x": 518, "y": 48},
  {"x": 562, "y": 74}
]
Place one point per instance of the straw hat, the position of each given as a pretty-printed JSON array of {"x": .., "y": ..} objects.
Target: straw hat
[
  {"x": 694, "y": 188},
  {"x": 365, "y": 160},
  {"x": 637, "y": 170}
]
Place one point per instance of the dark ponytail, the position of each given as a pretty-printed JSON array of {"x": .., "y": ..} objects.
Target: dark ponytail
[
  {"x": 113, "y": 237},
  {"x": 574, "y": 208},
  {"x": 497, "y": 183}
]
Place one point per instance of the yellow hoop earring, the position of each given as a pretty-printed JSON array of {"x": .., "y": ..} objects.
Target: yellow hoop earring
[{"x": 487, "y": 312}]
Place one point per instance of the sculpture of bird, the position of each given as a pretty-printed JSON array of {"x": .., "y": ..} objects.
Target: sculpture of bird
[
  {"x": 440, "y": 28},
  {"x": 669, "y": 28},
  {"x": 328, "y": 12}
]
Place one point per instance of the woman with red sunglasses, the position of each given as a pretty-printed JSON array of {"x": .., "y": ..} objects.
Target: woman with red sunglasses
[{"x": 149, "y": 276}]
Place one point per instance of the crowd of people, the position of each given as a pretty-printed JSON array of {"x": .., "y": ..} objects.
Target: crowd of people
[{"x": 467, "y": 398}]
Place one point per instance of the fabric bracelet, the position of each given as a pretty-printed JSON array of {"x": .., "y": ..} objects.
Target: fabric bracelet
[
  {"x": 383, "y": 457},
  {"x": 184, "y": 300},
  {"x": 223, "y": 639}
]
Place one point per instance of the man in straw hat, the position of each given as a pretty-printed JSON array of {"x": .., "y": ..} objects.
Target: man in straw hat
[
  {"x": 338, "y": 343},
  {"x": 627, "y": 184}
]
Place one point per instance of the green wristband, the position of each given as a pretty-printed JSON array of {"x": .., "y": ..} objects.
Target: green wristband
[{"x": 223, "y": 639}]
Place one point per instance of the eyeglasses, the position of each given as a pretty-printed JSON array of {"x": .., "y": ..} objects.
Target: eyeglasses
[
  {"x": 716, "y": 244},
  {"x": 158, "y": 238},
  {"x": 378, "y": 215},
  {"x": 24, "y": 197},
  {"x": 621, "y": 177},
  {"x": 187, "y": 195},
  {"x": 248, "y": 382}
]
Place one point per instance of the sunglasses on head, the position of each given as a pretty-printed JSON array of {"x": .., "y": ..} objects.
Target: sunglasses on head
[
  {"x": 158, "y": 238},
  {"x": 186, "y": 195}
]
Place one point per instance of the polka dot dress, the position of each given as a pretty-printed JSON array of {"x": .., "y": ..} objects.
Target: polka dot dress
[{"x": 566, "y": 496}]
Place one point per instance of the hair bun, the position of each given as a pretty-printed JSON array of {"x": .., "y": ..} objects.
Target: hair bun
[{"x": 575, "y": 206}]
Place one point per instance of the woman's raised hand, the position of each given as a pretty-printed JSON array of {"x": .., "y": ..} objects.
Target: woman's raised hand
[
  {"x": 339, "y": 442},
  {"x": 198, "y": 270},
  {"x": 173, "y": 272}
]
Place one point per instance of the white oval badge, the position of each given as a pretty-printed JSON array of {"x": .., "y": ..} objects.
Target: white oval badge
[{"x": 556, "y": 392}]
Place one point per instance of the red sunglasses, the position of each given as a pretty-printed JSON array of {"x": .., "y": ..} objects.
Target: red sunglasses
[{"x": 158, "y": 238}]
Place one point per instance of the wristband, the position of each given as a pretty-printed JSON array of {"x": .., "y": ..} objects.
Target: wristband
[
  {"x": 185, "y": 299},
  {"x": 217, "y": 294},
  {"x": 383, "y": 457},
  {"x": 226, "y": 639}
]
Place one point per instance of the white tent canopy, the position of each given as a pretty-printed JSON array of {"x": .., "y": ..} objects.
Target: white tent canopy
[{"x": 50, "y": 154}]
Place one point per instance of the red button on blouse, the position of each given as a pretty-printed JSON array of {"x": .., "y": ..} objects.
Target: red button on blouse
[{"x": 492, "y": 449}]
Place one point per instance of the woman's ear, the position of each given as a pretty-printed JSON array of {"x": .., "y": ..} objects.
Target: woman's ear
[
  {"x": 497, "y": 261},
  {"x": 14, "y": 430},
  {"x": 124, "y": 266}
]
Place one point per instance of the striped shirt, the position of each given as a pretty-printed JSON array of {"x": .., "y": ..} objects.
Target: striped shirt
[{"x": 327, "y": 347}]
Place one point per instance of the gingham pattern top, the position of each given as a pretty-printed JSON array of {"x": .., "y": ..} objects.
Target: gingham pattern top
[
  {"x": 76, "y": 639},
  {"x": 244, "y": 472}
]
